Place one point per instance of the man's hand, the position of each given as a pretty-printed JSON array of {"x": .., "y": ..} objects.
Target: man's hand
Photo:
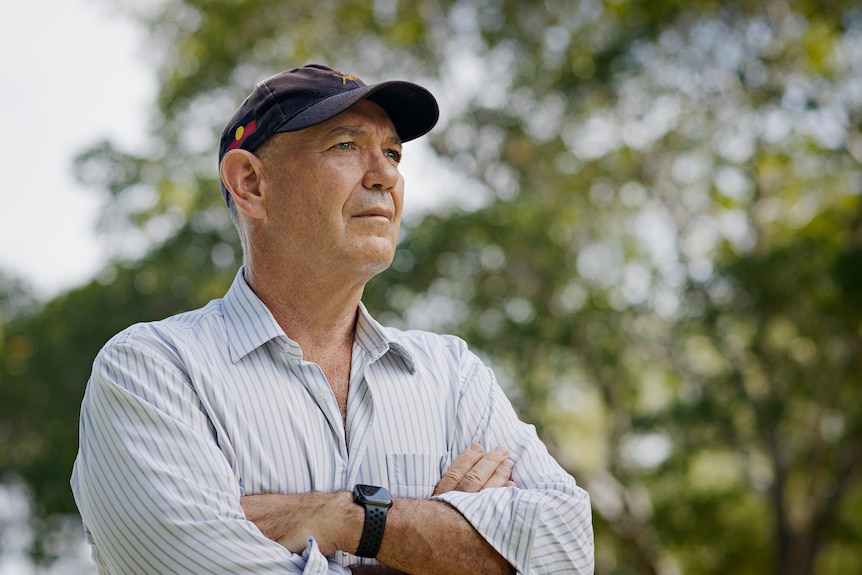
[
  {"x": 291, "y": 519},
  {"x": 474, "y": 470}
]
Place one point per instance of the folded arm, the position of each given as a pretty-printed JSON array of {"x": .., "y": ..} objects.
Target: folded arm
[
  {"x": 545, "y": 526},
  {"x": 421, "y": 536}
]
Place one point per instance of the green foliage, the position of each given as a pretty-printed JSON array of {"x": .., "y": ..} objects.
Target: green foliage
[
  {"x": 47, "y": 356},
  {"x": 653, "y": 233}
]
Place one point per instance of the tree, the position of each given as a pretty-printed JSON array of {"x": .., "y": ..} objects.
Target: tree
[
  {"x": 47, "y": 356},
  {"x": 654, "y": 238}
]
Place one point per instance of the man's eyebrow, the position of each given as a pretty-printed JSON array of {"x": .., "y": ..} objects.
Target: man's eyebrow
[{"x": 354, "y": 132}]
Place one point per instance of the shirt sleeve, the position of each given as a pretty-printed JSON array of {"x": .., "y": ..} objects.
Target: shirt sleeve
[
  {"x": 545, "y": 525},
  {"x": 155, "y": 492}
]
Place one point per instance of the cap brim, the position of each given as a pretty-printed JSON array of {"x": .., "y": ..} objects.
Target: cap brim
[{"x": 412, "y": 109}]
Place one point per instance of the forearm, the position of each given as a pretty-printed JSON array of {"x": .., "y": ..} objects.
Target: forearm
[{"x": 430, "y": 537}]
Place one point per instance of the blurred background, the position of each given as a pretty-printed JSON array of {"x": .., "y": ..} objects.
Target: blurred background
[{"x": 646, "y": 215}]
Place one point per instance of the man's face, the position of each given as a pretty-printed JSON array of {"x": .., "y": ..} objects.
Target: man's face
[{"x": 334, "y": 194}]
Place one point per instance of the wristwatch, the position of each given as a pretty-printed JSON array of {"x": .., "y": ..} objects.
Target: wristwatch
[{"x": 376, "y": 501}]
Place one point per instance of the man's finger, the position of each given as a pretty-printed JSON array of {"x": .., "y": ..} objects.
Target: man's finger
[
  {"x": 459, "y": 468},
  {"x": 501, "y": 476},
  {"x": 483, "y": 471}
]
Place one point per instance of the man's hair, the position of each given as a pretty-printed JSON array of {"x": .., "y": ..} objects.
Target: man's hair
[
  {"x": 234, "y": 217},
  {"x": 264, "y": 150}
]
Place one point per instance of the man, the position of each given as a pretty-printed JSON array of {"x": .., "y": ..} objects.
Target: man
[{"x": 281, "y": 429}]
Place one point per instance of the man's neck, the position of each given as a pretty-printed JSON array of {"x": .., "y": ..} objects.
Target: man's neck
[{"x": 321, "y": 318}]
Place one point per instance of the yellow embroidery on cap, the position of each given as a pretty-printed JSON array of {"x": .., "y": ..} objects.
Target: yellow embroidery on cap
[
  {"x": 346, "y": 77},
  {"x": 239, "y": 132}
]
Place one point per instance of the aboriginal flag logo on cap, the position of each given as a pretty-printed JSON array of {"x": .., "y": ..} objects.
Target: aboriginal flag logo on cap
[{"x": 246, "y": 128}]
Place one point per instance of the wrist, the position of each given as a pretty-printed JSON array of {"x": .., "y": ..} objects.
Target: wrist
[
  {"x": 352, "y": 523},
  {"x": 335, "y": 522}
]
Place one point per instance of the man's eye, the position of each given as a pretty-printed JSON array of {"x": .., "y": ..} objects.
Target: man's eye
[
  {"x": 394, "y": 154},
  {"x": 344, "y": 145}
]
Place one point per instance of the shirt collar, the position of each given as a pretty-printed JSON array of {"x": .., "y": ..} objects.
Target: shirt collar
[
  {"x": 248, "y": 321},
  {"x": 250, "y": 324},
  {"x": 377, "y": 340}
]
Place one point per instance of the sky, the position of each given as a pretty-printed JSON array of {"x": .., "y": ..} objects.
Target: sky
[{"x": 74, "y": 72}]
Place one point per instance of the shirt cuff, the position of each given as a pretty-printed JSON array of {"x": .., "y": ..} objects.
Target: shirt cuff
[
  {"x": 317, "y": 564},
  {"x": 503, "y": 516}
]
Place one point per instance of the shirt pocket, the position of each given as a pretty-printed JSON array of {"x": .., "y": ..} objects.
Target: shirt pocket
[{"x": 414, "y": 475}]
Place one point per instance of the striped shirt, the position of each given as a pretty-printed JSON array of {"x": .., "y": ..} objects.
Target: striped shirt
[{"x": 183, "y": 416}]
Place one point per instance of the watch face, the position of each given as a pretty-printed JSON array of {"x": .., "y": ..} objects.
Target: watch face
[{"x": 373, "y": 495}]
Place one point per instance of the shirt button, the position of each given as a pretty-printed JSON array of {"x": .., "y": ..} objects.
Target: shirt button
[{"x": 320, "y": 394}]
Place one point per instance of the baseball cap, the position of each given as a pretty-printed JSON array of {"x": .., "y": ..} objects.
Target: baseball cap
[{"x": 303, "y": 97}]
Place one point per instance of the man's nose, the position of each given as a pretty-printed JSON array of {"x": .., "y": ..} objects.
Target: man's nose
[{"x": 381, "y": 172}]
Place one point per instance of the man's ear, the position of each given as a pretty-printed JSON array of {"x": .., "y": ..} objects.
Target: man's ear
[{"x": 241, "y": 172}]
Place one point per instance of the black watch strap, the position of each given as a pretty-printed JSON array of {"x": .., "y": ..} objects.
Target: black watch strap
[
  {"x": 372, "y": 533},
  {"x": 376, "y": 501}
]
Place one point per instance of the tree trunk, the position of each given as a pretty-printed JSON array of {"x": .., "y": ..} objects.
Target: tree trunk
[{"x": 798, "y": 555}]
